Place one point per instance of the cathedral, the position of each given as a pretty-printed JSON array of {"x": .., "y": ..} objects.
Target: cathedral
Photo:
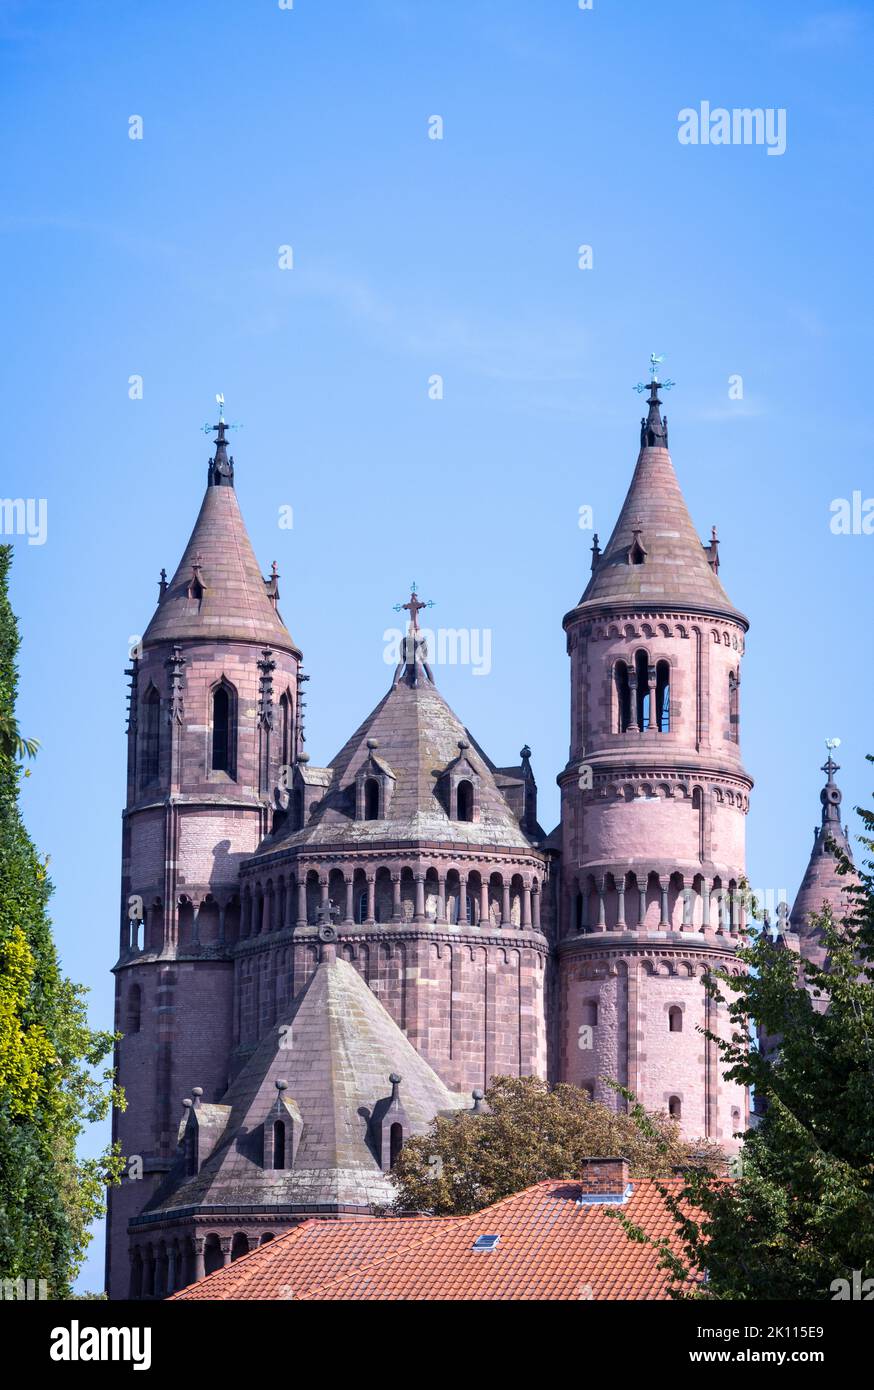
[{"x": 316, "y": 960}]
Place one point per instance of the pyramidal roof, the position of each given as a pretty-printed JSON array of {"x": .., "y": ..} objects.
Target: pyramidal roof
[
  {"x": 218, "y": 591},
  {"x": 654, "y": 557},
  {"x": 822, "y": 885},
  {"x": 414, "y": 738},
  {"x": 334, "y": 1053}
]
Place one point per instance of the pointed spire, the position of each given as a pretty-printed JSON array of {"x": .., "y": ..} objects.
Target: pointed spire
[
  {"x": 822, "y": 884},
  {"x": 655, "y": 558},
  {"x": 218, "y": 591}
]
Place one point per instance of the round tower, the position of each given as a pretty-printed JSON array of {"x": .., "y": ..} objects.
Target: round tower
[
  {"x": 214, "y": 716},
  {"x": 654, "y": 800}
]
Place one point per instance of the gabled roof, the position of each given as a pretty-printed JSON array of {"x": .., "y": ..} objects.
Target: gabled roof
[
  {"x": 414, "y": 733},
  {"x": 675, "y": 571},
  {"x": 335, "y": 1051},
  {"x": 557, "y": 1242},
  {"x": 218, "y": 591}
]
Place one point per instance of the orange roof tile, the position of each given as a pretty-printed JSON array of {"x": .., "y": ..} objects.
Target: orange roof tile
[{"x": 552, "y": 1246}]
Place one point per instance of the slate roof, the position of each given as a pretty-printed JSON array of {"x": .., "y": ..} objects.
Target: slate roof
[
  {"x": 235, "y": 605},
  {"x": 417, "y": 737},
  {"x": 335, "y": 1050},
  {"x": 676, "y": 572},
  {"x": 554, "y": 1245}
]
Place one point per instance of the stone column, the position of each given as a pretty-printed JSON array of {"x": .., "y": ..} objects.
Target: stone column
[
  {"x": 161, "y": 1274},
  {"x": 396, "y": 909},
  {"x": 371, "y": 898},
  {"x": 633, "y": 726},
  {"x": 350, "y": 900},
  {"x": 441, "y": 897},
  {"x": 535, "y": 907},
  {"x": 225, "y": 1247},
  {"x": 526, "y": 904},
  {"x": 506, "y": 915},
  {"x": 289, "y": 904},
  {"x": 641, "y": 901},
  {"x": 653, "y": 712},
  {"x": 705, "y": 905},
  {"x": 324, "y": 893},
  {"x": 484, "y": 903},
  {"x": 302, "y": 899},
  {"x": 620, "y": 900},
  {"x": 199, "y": 1264},
  {"x": 419, "y": 914},
  {"x": 171, "y": 1269},
  {"x": 602, "y": 903},
  {"x": 266, "y": 905},
  {"x": 664, "y": 885}
]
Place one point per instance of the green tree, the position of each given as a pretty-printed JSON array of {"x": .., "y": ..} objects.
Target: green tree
[
  {"x": 801, "y": 1213},
  {"x": 51, "y": 1085},
  {"x": 529, "y": 1132}
]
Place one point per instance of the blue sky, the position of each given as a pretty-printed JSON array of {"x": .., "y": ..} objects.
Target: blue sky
[{"x": 265, "y": 127}]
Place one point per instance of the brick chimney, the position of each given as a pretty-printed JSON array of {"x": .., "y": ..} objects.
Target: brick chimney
[{"x": 607, "y": 1175}]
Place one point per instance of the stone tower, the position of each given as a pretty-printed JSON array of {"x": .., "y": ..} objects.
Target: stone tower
[
  {"x": 214, "y": 715},
  {"x": 654, "y": 800}
]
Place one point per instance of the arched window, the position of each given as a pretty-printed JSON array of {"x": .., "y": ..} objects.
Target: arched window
[
  {"x": 735, "y": 1117},
  {"x": 371, "y": 799},
  {"x": 590, "y": 1012},
  {"x": 395, "y": 1143},
  {"x": 675, "y": 1107},
  {"x": 285, "y": 739},
  {"x": 223, "y": 740},
  {"x": 675, "y": 1020},
  {"x": 623, "y": 697},
  {"x": 134, "y": 1009},
  {"x": 663, "y": 697},
  {"x": 362, "y": 907},
  {"x": 279, "y": 1144},
  {"x": 239, "y": 1245},
  {"x": 151, "y": 736},
  {"x": 641, "y": 667},
  {"x": 464, "y": 801},
  {"x": 733, "y": 707}
]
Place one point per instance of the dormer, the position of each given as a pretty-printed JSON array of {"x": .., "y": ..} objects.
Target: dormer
[
  {"x": 282, "y": 1130},
  {"x": 201, "y": 1129},
  {"x": 390, "y": 1125},
  {"x": 461, "y": 786},
  {"x": 374, "y": 785},
  {"x": 310, "y": 787}
]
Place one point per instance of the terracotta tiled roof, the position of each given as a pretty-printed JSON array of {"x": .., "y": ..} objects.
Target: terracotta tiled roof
[
  {"x": 235, "y": 604},
  {"x": 556, "y": 1243}
]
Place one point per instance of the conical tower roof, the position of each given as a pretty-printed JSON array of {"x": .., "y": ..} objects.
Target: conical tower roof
[
  {"x": 822, "y": 885},
  {"x": 218, "y": 591},
  {"x": 333, "y": 1055},
  {"x": 654, "y": 558}
]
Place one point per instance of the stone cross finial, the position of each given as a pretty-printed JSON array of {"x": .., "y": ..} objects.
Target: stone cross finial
[{"x": 414, "y": 607}]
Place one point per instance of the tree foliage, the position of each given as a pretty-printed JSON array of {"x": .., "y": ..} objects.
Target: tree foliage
[
  {"x": 529, "y": 1132},
  {"x": 801, "y": 1213},
  {"x": 50, "y": 1083}
]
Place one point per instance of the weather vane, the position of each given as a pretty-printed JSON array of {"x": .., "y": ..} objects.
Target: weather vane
[
  {"x": 220, "y": 402},
  {"x": 654, "y": 360}
]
